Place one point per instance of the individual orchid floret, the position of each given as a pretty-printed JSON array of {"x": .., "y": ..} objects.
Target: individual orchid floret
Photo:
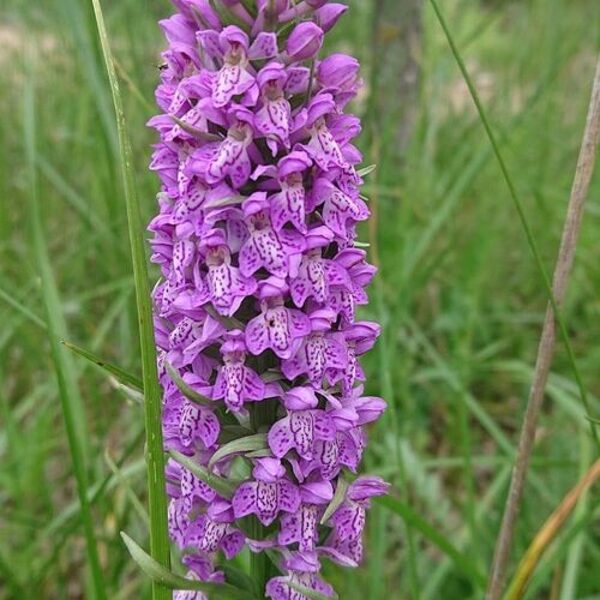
[
  {"x": 302, "y": 570},
  {"x": 213, "y": 531},
  {"x": 273, "y": 120},
  {"x": 338, "y": 75},
  {"x": 275, "y": 251},
  {"x": 329, "y": 14},
  {"x": 226, "y": 287},
  {"x": 232, "y": 157},
  {"x": 319, "y": 351},
  {"x": 349, "y": 520},
  {"x": 233, "y": 79},
  {"x": 277, "y": 328},
  {"x": 236, "y": 383},
  {"x": 300, "y": 430},
  {"x": 288, "y": 206},
  {"x": 304, "y": 42},
  {"x": 270, "y": 493}
]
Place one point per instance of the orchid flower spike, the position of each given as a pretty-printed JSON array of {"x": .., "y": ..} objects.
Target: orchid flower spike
[{"x": 258, "y": 341}]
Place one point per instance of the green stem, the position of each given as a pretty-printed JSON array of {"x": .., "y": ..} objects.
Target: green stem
[
  {"x": 259, "y": 561},
  {"x": 157, "y": 499}
]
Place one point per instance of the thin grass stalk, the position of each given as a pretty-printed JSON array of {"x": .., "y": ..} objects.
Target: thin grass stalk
[
  {"x": 157, "y": 499},
  {"x": 521, "y": 213},
  {"x": 579, "y": 192},
  {"x": 553, "y": 315},
  {"x": 548, "y": 533},
  {"x": 71, "y": 402}
]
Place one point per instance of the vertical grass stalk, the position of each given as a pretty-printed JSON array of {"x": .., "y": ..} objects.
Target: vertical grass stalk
[
  {"x": 555, "y": 293},
  {"x": 159, "y": 540},
  {"x": 71, "y": 403}
]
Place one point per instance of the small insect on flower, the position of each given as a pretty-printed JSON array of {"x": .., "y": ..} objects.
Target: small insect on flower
[{"x": 255, "y": 315}]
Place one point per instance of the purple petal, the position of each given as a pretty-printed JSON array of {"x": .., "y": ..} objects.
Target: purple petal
[
  {"x": 245, "y": 499},
  {"x": 264, "y": 46}
]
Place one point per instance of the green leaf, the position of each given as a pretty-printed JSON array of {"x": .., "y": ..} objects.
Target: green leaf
[
  {"x": 20, "y": 307},
  {"x": 271, "y": 376},
  {"x": 119, "y": 374},
  {"x": 168, "y": 579},
  {"x": 190, "y": 393},
  {"x": 260, "y": 453},
  {"x": 336, "y": 501},
  {"x": 227, "y": 16},
  {"x": 225, "y": 201},
  {"x": 412, "y": 518},
  {"x": 221, "y": 485},
  {"x": 250, "y": 443},
  {"x": 312, "y": 594}
]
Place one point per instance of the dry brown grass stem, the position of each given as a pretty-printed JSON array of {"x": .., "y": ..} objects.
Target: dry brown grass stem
[
  {"x": 564, "y": 263},
  {"x": 548, "y": 532}
]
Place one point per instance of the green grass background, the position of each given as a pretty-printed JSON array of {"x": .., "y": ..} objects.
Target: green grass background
[{"x": 458, "y": 294}]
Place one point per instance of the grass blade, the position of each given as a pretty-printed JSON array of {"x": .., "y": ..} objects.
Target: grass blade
[
  {"x": 119, "y": 374},
  {"x": 170, "y": 580},
  {"x": 547, "y": 533},
  {"x": 20, "y": 307},
  {"x": 408, "y": 514},
  {"x": 159, "y": 538},
  {"x": 71, "y": 402}
]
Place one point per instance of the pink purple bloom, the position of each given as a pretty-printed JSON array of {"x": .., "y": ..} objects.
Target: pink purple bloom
[{"x": 255, "y": 313}]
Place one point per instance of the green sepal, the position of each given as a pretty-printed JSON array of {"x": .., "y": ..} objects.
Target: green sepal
[
  {"x": 222, "y": 486},
  {"x": 119, "y": 374},
  {"x": 190, "y": 393},
  {"x": 167, "y": 578},
  {"x": 249, "y": 443}
]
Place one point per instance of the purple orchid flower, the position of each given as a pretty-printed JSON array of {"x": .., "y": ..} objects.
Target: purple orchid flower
[
  {"x": 236, "y": 383},
  {"x": 258, "y": 341},
  {"x": 273, "y": 120},
  {"x": 269, "y": 493}
]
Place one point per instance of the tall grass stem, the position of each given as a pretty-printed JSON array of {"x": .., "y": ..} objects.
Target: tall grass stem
[
  {"x": 556, "y": 294},
  {"x": 564, "y": 264},
  {"x": 159, "y": 539}
]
